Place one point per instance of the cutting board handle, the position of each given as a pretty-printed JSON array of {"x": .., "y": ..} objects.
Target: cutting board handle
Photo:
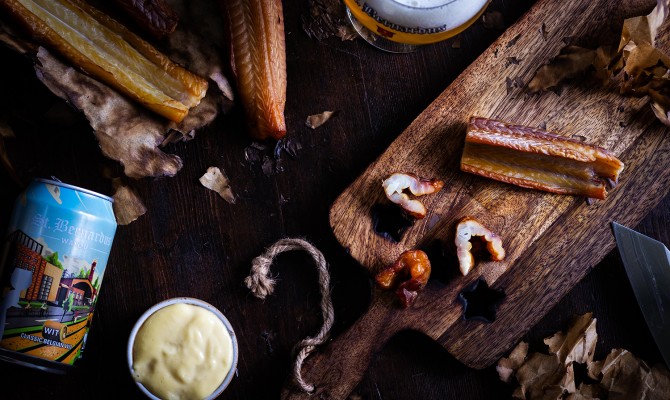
[{"x": 337, "y": 369}]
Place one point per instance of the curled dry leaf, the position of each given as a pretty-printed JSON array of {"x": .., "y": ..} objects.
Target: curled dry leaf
[
  {"x": 466, "y": 230},
  {"x": 542, "y": 376},
  {"x": 571, "y": 61},
  {"x": 507, "y": 366},
  {"x": 637, "y": 68},
  {"x": 127, "y": 133},
  {"x": 127, "y": 204},
  {"x": 620, "y": 376},
  {"x": 315, "y": 121},
  {"x": 396, "y": 185},
  {"x": 579, "y": 344},
  {"x": 214, "y": 179}
]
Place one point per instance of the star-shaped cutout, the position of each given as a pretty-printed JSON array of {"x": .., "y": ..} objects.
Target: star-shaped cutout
[{"x": 480, "y": 301}]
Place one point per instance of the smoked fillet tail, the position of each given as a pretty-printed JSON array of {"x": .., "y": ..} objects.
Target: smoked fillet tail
[
  {"x": 258, "y": 58},
  {"x": 537, "y": 159}
]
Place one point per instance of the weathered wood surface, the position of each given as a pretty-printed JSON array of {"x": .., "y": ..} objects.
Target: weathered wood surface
[
  {"x": 192, "y": 243},
  {"x": 552, "y": 241}
]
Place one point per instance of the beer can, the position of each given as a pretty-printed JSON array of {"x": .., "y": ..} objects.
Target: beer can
[{"x": 54, "y": 258}]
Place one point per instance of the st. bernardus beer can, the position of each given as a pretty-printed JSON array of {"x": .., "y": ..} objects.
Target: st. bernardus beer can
[{"x": 54, "y": 258}]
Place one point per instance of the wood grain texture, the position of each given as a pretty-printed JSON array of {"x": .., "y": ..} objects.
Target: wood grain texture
[
  {"x": 192, "y": 243},
  {"x": 552, "y": 241}
]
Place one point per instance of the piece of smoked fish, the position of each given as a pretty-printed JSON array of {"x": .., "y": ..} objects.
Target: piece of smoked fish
[
  {"x": 258, "y": 60},
  {"x": 534, "y": 158}
]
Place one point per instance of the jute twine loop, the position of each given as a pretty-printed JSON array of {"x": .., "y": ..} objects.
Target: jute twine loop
[{"x": 261, "y": 285}]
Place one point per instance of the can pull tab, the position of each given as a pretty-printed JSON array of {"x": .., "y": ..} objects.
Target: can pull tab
[{"x": 53, "y": 178}]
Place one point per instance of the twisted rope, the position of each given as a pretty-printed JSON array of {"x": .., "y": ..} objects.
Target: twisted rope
[{"x": 262, "y": 284}]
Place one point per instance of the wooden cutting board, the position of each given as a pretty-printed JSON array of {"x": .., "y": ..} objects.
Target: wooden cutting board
[{"x": 552, "y": 241}]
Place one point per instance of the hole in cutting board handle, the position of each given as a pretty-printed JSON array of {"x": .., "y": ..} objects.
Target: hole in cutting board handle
[
  {"x": 389, "y": 221},
  {"x": 480, "y": 301}
]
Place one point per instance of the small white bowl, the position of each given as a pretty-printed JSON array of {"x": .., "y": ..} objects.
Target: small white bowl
[{"x": 195, "y": 302}]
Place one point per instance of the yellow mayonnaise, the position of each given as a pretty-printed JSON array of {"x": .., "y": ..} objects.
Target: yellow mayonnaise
[{"x": 182, "y": 351}]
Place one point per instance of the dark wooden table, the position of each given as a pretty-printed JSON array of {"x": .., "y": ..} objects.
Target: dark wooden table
[{"x": 192, "y": 243}]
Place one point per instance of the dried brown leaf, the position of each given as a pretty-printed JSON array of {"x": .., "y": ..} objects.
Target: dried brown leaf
[
  {"x": 621, "y": 375},
  {"x": 571, "y": 61},
  {"x": 624, "y": 376},
  {"x": 127, "y": 204},
  {"x": 507, "y": 366},
  {"x": 644, "y": 29},
  {"x": 316, "y": 120},
  {"x": 646, "y": 69},
  {"x": 214, "y": 179},
  {"x": 578, "y": 344},
  {"x": 586, "y": 392},
  {"x": 126, "y": 132},
  {"x": 541, "y": 377},
  {"x": 661, "y": 113}
]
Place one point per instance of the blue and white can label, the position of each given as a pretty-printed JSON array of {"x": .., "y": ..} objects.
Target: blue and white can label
[{"x": 55, "y": 256}]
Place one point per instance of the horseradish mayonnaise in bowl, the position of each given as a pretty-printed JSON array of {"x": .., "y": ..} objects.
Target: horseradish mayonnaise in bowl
[{"x": 182, "y": 349}]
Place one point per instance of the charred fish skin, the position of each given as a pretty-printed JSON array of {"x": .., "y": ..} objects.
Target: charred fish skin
[
  {"x": 258, "y": 62},
  {"x": 537, "y": 159}
]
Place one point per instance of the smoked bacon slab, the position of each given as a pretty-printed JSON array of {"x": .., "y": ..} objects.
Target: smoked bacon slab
[
  {"x": 258, "y": 60},
  {"x": 106, "y": 50},
  {"x": 534, "y": 158}
]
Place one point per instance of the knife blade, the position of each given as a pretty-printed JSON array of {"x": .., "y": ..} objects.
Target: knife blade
[{"x": 647, "y": 264}]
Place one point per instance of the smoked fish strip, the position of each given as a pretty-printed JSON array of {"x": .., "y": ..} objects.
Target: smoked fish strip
[
  {"x": 156, "y": 17},
  {"x": 258, "y": 60},
  {"x": 536, "y": 159},
  {"x": 106, "y": 50}
]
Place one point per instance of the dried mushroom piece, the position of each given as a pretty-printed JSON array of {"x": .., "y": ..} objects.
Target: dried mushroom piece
[
  {"x": 467, "y": 229},
  {"x": 536, "y": 159},
  {"x": 412, "y": 264},
  {"x": 396, "y": 185}
]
